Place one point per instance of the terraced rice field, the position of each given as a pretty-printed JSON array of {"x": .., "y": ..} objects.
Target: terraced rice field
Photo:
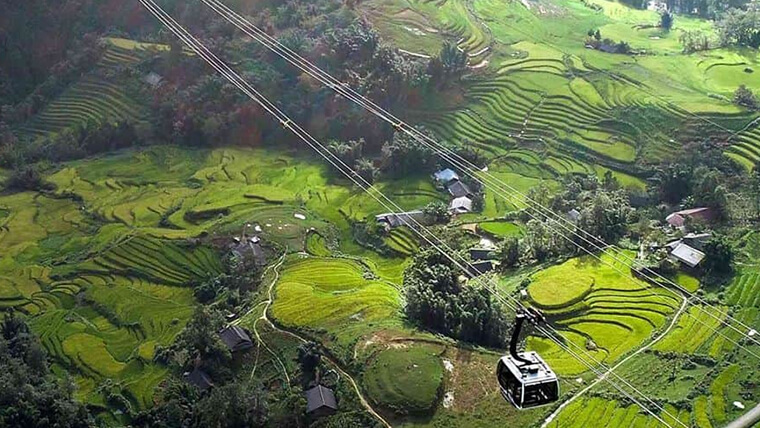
[
  {"x": 94, "y": 98},
  {"x": 600, "y": 307},
  {"x": 111, "y": 329},
  {"x": 105, "y": 280},
  {"x": 745, "y": 290},
  {"x": 403, "y": 241},
  {"x": 602, "y": 413},
  {"x": 694, "y": 330},
  {"x": 332, "y": 299}
]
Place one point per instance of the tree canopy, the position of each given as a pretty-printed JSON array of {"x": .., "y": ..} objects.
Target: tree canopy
[{"x": 437, "y": 301}]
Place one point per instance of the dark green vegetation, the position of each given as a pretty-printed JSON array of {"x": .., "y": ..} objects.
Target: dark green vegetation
[
  {"x": 437, "y": 301},
  {"x": 31, "y": 395}
]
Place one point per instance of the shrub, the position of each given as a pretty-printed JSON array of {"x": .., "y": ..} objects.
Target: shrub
[{"x": 744, "y": 97}]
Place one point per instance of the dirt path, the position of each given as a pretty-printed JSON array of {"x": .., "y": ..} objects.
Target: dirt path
[
  {"x": 264, "y": 317},
  {"x": 259, "y": 341},
  {"x": 554, "y": 414}
]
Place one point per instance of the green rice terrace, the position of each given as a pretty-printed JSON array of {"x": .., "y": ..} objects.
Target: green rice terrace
[{"x": 106, "y": 256}]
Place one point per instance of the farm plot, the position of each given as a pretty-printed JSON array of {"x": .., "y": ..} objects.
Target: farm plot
[
  {"x": 403, "y": 241},
  {"x": 602, "y": 413},
  {"x": 694, "y": 331},
  {"x": 598, "y": 305},
  {"x": 332, "y": 299},
  {"x": 94, "y": 98}
]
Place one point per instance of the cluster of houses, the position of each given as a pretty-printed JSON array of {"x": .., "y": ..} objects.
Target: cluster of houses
[
  {"x": 447, "y": 179},
  {"x": 688, "y": 250},
  {"x": 320, "y": 400},
  {"x": 461, "y": 195}
]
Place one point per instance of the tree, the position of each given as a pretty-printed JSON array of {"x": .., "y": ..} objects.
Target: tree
[
  {"x": 744, "y": 97},
  {"x": 739, "y": 28},
  {"x": 719, "y": 256},
  {"x": 236, "y": 405},
  {"x": 694, "y": 41},
  {"x": 436, "y": 301},
  {"x": 708, "y": 189},
  {"x": 672, "y": 182},
  {"x": 404, "y": 155},
  {"x": 27, "y": 177},
  {"x": 200, "y": 341},
  {"x": 666, "y": 20},
  {"x": 437, "y": 212},
  {"x": 367, "y": 170},
  {"x": 449, "y": 65},
  {"x": 309, "y": 358},
  {"x": 508, "y": 252},
  {"x": 606, "y": 216},
  {"x": 30, "y": 396}
]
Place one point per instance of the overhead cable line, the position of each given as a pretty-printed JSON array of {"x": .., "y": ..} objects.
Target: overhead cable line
[
  {"x": 498, "y": 186},
  {"x": 252, "y": 93}
]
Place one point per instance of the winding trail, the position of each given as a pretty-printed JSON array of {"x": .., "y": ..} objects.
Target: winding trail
[
  {"x": 264, "y": 317},
  {"x": 559, "y": 409}
]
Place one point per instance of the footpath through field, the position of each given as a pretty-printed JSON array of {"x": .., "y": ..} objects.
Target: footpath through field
[
  {"x": 673, "y": 322},
  {"x": 265, "y": 317}
]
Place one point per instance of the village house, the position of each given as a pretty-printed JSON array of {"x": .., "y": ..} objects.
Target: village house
[
  {"x": 445, "y": 176},
  {"x": 243, "y": 247},
  {"x": 687, "y": 255},
  {"x": 480, "y": 267},
  {"x": 457, "y": 189},
  {"x": 461, "y": 205},
  {"x": 235, "y": 338},
  {"x": 481, "y": 253},
  {"x": 678, "y": 219},
  {"x": 153, "y": 79},
  {"x": 688, "y": 250},
  {"x": 320, "y": 401},
  {"x": 408, "y": 218},
  {"x": 573, "y": 215},
  {"x": 199, "y": 379}
]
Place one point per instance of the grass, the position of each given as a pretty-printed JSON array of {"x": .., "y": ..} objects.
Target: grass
[
  {"x": 405, "y": 379},
  {"x": 501, "y": 229}
]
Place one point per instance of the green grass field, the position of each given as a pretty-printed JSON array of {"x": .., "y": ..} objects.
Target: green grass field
[{"x": 405, "y": 379}]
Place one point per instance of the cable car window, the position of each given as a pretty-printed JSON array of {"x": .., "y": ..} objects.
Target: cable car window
[
  {"x": 541, "y": 393},
  {"x": 508, "y": 382}
]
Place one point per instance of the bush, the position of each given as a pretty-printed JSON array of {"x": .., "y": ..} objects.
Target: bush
[
  {"x": 744, "y": 97},
  {"x": 25, "y": 178}
]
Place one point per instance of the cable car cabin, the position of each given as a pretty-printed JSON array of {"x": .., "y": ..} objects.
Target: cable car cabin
[{"x": 527, "y": 385}]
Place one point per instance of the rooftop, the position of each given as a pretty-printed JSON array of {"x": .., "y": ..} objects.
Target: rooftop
[
  {"x": 458, "y": 189},
  {"x": 235, "y": 338},
  {"x": 688, "y": 255},
  {"x": 319, "y": 397},
  {"x": 461, "y": 205},
  {"x": 446, "y": 175},
  {"x": 199, "y": 378}
]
